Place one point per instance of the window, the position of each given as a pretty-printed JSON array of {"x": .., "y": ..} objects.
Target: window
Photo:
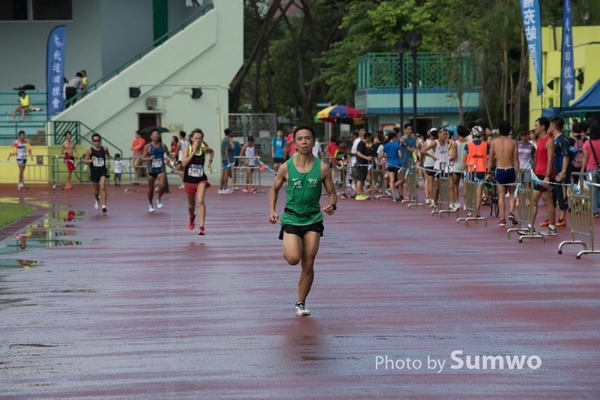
[
  {"x": 48, "y": 10},
  {"x": 13, "y": 10}
]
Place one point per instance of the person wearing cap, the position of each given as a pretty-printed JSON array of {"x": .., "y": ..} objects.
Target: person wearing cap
[
  {"x": 475, "y": 161},
  {"x": 505, "y": 155},
  {"x": 302, "y": 220}
]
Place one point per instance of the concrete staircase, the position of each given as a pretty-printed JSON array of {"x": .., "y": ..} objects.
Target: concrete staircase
[{"x": 34, "y": 123}]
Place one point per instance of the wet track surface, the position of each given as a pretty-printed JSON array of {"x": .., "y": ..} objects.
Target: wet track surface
[{"x": 135, "y": 305}]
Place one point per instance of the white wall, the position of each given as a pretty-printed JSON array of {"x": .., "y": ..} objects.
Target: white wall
[{"x": 207, "y": 54}]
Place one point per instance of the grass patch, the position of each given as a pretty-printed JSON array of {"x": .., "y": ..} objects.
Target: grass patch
[{"x": 10, "y": 212}]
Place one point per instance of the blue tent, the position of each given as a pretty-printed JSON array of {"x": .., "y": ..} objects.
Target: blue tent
[{"x": 588, "y": 102}]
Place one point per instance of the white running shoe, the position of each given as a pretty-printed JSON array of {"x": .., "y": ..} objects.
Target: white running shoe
[
  {"x": 150, "y": 208},
  {"x": 96, "y": 204},
  {"x": 301, "y": 310},
  {"x": 181, "y": 186},
  {"x": 159, "y": 203},
  {"x": 20, "y": 185}
]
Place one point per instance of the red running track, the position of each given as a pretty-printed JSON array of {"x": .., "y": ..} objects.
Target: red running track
[{"x": 145, "y": 308}]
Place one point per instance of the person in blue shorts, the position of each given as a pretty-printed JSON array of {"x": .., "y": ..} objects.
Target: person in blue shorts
[{"x": 154, "y": 154}]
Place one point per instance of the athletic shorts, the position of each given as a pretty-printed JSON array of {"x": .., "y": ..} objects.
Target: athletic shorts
[
  {"x": 155, "y": 174},
  {"x": 70, "y": 164},
  {"x": 192, "y": 188},
  {"x": 505, "y": 176},
  {"x": 22, "y": 162},
  {"x": 278, "y": 160},
  {"x": 430, "y": 171},
  {"x": 96, "y": 175},
  {"x": 392, "y": 169},
  {"x": 539, "y": 187},
  {"x": 301, "y": 230},
  {"x": 459, "y": 174},
  {"x": 361, "y": 173}
]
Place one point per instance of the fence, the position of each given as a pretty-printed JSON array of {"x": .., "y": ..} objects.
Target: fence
[
  {"x": 525, "y": 214},
  {"x": 247, "y": 171},
  {"x": 378, "y": 176},
  {"x": 39, "y": 169},
  {"x": 582, "y": 215},
  {"x": 471, "y": 197},
  {"x": 444, "y": 192},
  {"x": 413, "y": 188}
]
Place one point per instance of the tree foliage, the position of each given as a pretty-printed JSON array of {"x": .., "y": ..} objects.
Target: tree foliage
[{"x": 294, "y": 60}]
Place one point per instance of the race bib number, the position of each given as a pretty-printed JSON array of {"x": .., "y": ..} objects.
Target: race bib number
[
  {"x": 196, "y": 171},
  {"x": 158, "y": 163},
  {"x": 98, "y": 162}
]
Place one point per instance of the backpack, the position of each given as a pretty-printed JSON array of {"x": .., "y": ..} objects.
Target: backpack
[{"x": 577, "y": 152}]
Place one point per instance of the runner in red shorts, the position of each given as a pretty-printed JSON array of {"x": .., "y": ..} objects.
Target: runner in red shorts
[
  {"x": 195, "y": 180},
  {"x": 69, "y": 151}
]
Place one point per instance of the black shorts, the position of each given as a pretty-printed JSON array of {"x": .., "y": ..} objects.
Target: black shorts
[
  {"x": 392, "y": 169},
  {"x": 361, "y": 173},
  {"x": 301, "y": 230},
  {"x": 539, "y": 187},
  {"x": 96, "y": 175},
  {"x": 155, "y": 175},
  {"x": 430, "y": 171},
  {"x": 278, "y": 160}
]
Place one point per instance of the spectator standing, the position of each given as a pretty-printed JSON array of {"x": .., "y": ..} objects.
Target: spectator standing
[{"x": 137, "y": 147}]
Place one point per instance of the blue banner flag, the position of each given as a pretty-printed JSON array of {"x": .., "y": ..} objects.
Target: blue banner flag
[
  {"x": 55, "y": 64},
  {"x": 532, "y": 24},
  {"x": 567, "y": 76}
]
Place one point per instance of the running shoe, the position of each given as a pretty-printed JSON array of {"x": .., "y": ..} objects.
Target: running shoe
[
  {"x": 435, "y": 209},
  {"x": 545, "y": 223},
  {"x": 201, "y": 231},
  {"x": 150, "y": 208},
  {"x": 512, "y": 219},
  {"x": 502, "y": 222},
  {"x": 254, "y": 190},
  {"x": 96, "y": 204},
  {"x": 549, "y": 232},
  {"x": 192, "y": 223},
  {"x": 427, "y": 200},
  {"x": 159, "y": 203},
  {"x": 361, "y": 197},
  {"x": 388, "y": 192},
  {"x": 20, "y": 185},
  {"x": 561, "y": 222},
  {"x": 181, "y": 186},
  {"x": 104, "y": 209},
  {"x": 245, "y": 190},
  {"x": 301, "y": 310}
]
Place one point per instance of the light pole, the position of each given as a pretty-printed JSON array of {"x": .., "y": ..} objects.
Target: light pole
[
  {"x": 414, "y": 40},
  {"x": 401, "y": 48}
]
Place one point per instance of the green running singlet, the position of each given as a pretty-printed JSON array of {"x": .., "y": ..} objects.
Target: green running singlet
[{"x": 303, "y": 194}]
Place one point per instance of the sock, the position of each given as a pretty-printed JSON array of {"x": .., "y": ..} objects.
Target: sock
[{"x": 552, "y": 226}]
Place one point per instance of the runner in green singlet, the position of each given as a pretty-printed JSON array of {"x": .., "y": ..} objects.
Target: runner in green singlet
[{"x": 302, "y": 220}]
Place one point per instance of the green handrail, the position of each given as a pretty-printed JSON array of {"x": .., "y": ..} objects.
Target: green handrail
[
  {"x": 60, "y": 127},
  {"x": 203, "y": 10}
]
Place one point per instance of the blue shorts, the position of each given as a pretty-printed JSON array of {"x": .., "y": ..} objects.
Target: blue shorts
[
  {"x": 505, "y": 176},
  {"x": 224, "y": 164}
]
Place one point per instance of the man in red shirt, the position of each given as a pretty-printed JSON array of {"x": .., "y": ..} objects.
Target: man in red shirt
[
  {"x": 137, "y": 147},
  {"x": 544, "y": 170}
]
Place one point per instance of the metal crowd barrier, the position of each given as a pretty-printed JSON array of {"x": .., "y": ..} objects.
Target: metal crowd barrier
[
  {"x": 444, "y": 192},
  {"x": 39, "y": 169},
  {"x": 471, "y": 185},
  {"x": 340, "y": 173},
  {"x": 582, "y": 215},
  {"x": 525, "y": 214},
  {"x": 412, "y": 178},
  {"x": 242, "y": 170},
  {"x": 378, "y": 176}
]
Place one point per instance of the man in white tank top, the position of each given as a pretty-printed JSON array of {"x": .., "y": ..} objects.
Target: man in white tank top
[{"x": 440, "y": 156}]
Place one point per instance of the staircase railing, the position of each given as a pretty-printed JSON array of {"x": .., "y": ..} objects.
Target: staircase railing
[
  {"x": 61, "y": 127},
  {"x": 203, "y": 10}
]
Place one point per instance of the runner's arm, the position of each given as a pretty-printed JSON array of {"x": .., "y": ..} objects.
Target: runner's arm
[
  {"x": 280, "y": 179},
  {"x": 145, "y": 153},
  {"x": 330, "y": 188}
]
